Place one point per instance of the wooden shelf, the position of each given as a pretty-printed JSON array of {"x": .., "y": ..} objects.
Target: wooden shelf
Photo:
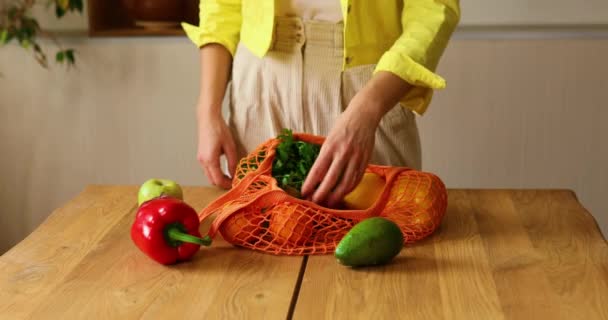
[{"x": 110, "y": 18}]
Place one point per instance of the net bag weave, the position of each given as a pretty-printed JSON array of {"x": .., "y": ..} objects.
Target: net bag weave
[{"x": 259, "y": 215}]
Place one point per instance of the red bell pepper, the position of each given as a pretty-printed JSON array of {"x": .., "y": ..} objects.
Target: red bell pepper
[{"x": 166, "y": 229}]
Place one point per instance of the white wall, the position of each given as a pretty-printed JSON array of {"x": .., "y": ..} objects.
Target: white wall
[
  {"x": 523, "y": 114},
  {"x": 124, "y": 115},
  {"x": 534, "y": 12}
]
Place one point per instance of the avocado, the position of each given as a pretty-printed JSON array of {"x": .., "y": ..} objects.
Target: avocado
[{"x": 372, "y": 241}]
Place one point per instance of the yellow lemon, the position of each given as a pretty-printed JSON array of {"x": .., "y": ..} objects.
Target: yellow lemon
[{"x": 365, "y": 193}]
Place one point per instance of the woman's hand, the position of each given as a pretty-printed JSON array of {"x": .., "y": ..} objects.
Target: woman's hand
[
  {"x": 214, "y": 137},
  {"x": 344, "y": 155},
  {"x": 215, "y": 140},
  {"x": 349, "y": 146}
]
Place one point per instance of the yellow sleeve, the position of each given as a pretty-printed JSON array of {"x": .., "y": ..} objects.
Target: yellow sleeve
[
  {"x": 220, "y": 22},
  {"x": 427, "y": 28}
]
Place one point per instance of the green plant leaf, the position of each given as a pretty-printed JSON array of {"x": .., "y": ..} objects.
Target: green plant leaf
[
  {"x": 10, "y": 37},
  {"x": 4, "y": 36},
  {"x": 60, "y": 56},
  {"x": 77, "y": 4},
  {"x": 25, "y": 43},
  {"x": 59, "y": 11},
  {"x": 69, "y": 55}
]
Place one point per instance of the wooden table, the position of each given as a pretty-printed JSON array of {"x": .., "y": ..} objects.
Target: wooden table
[{"x": 498, "y": 255}]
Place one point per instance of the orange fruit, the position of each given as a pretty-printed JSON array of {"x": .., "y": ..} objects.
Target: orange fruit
[
  {"x": 290, "y": 226},
  {"x": 365, "y": 193},
  {"x": 423, "y": 221},
  {"x": 241, "y": 228}
]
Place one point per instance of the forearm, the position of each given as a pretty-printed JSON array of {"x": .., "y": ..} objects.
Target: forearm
[
  {"x": 381, "y": 93},
  {"x": 215, "y": 62}
]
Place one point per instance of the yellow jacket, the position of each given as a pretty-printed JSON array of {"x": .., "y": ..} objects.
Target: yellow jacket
[{"x": 405, "y": 37}]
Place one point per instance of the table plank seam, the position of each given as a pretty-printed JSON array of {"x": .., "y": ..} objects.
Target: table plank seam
[{"x": 296, "y": 289}]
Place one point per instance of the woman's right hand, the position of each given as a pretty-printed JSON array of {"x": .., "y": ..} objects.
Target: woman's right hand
[
  {"x": 215, "y": 140},
  {"x": 214, "y": 136}
]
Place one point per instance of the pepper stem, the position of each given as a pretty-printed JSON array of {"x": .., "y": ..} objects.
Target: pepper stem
[{"x": 175, "y": 233}]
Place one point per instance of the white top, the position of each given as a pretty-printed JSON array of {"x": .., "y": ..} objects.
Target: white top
[{"x": 320, "y": 10}]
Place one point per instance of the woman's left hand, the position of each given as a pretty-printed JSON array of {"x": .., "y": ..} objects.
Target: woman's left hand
[
  {"x": 344, "y": 154},
  {"x": 349, "y": 146}
]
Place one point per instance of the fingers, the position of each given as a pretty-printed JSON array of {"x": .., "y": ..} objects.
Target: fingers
[
  {"x": 316, "y": 173},
  {"x": 231, "y": 155},
  {"x": 216, "y": 140},
  {"x": 362, "y": 165},
  {"x": 336, "y": 174},
  {"x": 208, "y": 175},
  {"x": 346, "y": 184},
  {"x": 211, "y": 165},
  {"x": 329, "y": 180},
  {"x": 217, "y": 176}
]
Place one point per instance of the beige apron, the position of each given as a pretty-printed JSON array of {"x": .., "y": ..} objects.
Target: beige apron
[{"x": 299, "y": 85}]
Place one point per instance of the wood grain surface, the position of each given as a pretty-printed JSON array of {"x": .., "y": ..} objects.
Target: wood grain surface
[
  {"x": 81, "y": 264},
  {"x": 499, "y": 254}
]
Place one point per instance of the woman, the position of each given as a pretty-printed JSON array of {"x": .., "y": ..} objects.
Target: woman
[{"x": 351, "y": 70}]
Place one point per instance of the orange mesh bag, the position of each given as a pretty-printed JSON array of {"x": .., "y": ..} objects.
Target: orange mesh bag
[{"x": 259, "y": 215}]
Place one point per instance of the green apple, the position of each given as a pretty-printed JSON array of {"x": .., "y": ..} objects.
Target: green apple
[{"x": 155, "y": 188}]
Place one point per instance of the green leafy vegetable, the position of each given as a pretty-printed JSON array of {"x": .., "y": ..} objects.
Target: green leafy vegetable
[{"x": 292, "y": 162}]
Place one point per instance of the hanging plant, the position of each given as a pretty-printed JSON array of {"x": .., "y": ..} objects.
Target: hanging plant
[{"x": 17, "y": 25}]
